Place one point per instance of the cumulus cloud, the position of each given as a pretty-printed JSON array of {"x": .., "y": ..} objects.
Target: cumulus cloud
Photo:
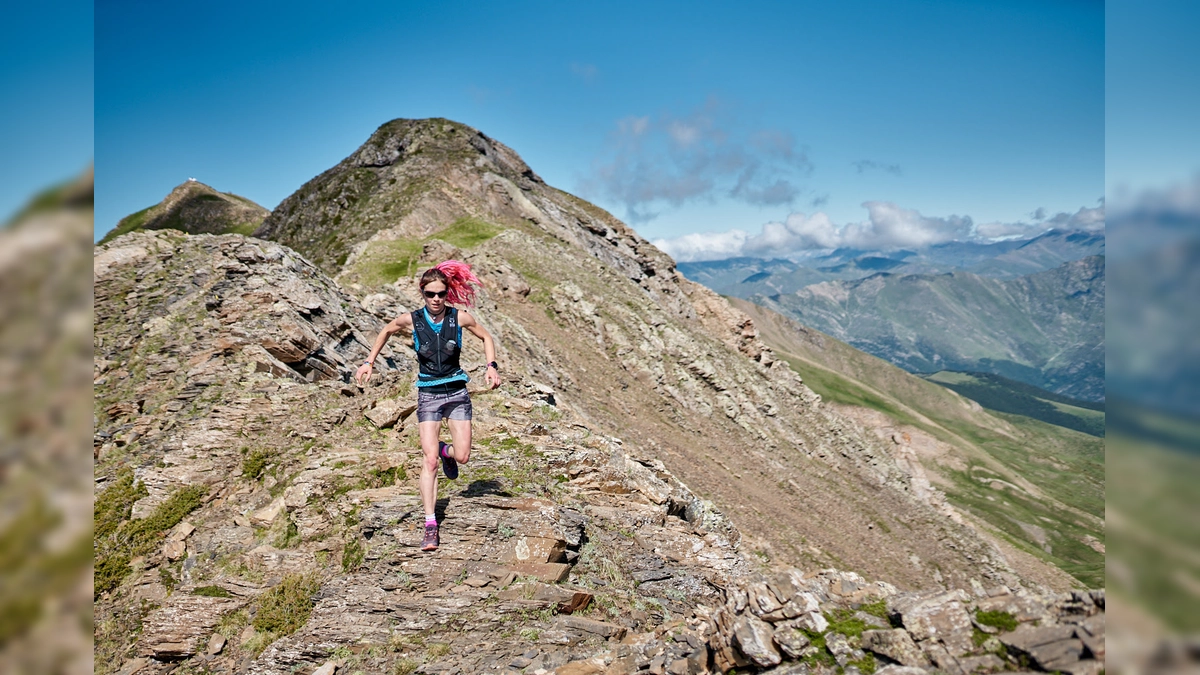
[
  {"x": 864, "y": 165},
  {"x": 704, "y": 246},
  {"x": 1086, "y": 218},
  {"x": 886, "y": 227},
  {"x": 653, "y": 163},
  {"x": 1083, "y": 219}
]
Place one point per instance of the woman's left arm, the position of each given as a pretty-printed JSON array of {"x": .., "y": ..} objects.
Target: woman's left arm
[{"x": 489, "y": 346}]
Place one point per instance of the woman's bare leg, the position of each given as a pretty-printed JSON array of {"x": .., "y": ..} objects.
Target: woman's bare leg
[
  {"x": 460, "y": 438},
  {"x": 429, "y": 464}
]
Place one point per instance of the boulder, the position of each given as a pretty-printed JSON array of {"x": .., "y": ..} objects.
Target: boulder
[
  {"x": 267, "y": 514},
  {"x": 939, "y": 616},
  {"x": 791, "y": 640},
  {"x": 175, "y": 630},
  {"x": 755, "y": 639},
  {"x": 386, "y": 413},
  {"x": 1050, "y": 647},
  {"x": 896, "y": 645},
  {"x": 534, "y": 550}
]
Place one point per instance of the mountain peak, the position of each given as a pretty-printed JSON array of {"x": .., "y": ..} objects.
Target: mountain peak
[
  {"x": 195, "y": 208},
  {"x": 414, "y": 180},
  {"x": 402, "y": 139}
]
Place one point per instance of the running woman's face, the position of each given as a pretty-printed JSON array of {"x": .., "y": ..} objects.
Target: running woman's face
[{"x": 436, "y": 303}]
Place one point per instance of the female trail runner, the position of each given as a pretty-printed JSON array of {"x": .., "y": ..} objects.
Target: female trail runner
[{"x": 441, "y": 382}]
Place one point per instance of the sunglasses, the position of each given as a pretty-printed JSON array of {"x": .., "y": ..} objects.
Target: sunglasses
[{"x": 435, "y": 294}]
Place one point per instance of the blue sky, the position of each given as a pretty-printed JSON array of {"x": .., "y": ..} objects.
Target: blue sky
[{"x": 679, "y": 118}]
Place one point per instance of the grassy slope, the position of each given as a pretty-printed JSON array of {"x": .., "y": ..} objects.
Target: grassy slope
[
  {"x": 1062, "y": 502},
  {"x": 383, "y": 262},
  {"x": 1003, "y": 395}
]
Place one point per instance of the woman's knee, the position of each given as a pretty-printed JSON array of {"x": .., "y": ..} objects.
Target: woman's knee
[{"x": 431, "y": 462}]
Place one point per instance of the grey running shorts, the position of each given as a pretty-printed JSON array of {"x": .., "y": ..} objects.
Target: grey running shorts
[{"x": 434, "y": 407}]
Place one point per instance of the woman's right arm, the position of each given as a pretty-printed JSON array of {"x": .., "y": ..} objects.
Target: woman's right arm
[{"x": 402, "y": 322}]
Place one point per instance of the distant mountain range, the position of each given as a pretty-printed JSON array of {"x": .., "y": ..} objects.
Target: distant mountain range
[
  {"x": 744, "y": 277},
  {"x": 1030, "y": 310},
  {"x": 1044, "y": 329}
]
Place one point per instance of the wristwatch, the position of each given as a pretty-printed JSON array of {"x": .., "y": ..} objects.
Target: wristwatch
[{"x": 492, "y": 364}]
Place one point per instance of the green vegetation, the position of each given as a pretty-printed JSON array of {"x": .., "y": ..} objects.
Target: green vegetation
[
  {"x": 820, "y": 655},
  {"x": 353, "y": 554},
  {"x": 245, "y": 229},
  {"x": 186, "y": 219},
  {"x": 838, "y": 389},
  {"x": 212, "y": 592},
  {"x": 378, "y": 478},
  {"x": 1005, "y": 621},
  {"x": 286, "y": 607},
  {"x": 877, "y": 608},
  {"x": 843, "y": 621},
  {"x": 405, "y": 667},
  {"x": 255, "y": 462},
  {"x": 1009, "y": 396},
  {"x": 383, "y": 262},
  {"x": 128, "y": 224},
  {"x": 468, "y": 232},
  {"x": 113, "y": 505},
  {"x": 978, "y": 637},
  {"x": 866, "y": 665},
  {"x": 140, "y": 536}
]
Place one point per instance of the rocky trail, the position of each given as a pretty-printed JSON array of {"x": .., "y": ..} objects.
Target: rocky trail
[{"x": 257, "y": 514}]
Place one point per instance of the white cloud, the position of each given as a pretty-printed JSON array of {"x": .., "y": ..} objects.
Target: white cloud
[
  {"x": 1007, "y": 230},
  {"x": 887, "y": 227},
  {"x": 655, "y": 163},
  {"x": 704, "y": 246},
  {"x": 1083, "y": 219}
]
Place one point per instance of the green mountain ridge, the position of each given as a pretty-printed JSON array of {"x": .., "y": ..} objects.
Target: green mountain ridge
[
  {"x": 1009, "y": 396},
  {"x": 195, "y": 208}
]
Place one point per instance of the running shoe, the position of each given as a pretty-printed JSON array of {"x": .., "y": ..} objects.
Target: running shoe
[
  {"x": 430, "y": 542},
  {"x": 449, "y": 465}
]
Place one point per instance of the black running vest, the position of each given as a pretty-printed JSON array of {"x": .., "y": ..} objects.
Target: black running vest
[{"x": 438, "y": 352}]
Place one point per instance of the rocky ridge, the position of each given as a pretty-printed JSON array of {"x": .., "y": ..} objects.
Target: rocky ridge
[
  {"x": 227, "y": 431},
  {"x": 584, "y": 305},
  {"x": 242, "y": 477}
]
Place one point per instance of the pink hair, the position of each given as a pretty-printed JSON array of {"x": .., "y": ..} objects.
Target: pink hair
[{"x": 461, "y": 282}]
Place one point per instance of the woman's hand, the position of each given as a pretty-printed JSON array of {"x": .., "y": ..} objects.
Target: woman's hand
[
  {"x": 363, "y": 374},
  {"x": 492, "y": 377}
]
